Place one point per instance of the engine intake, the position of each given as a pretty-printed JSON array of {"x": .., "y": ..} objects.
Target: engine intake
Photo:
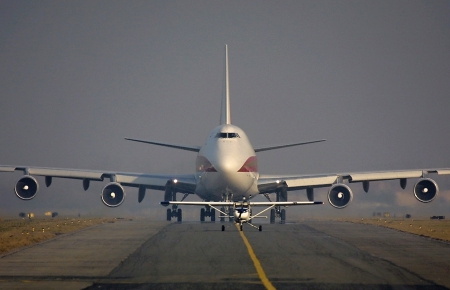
[
  {"x": 113, "y": 194},
  {"x": 426, "y": 189},
  {"x": 340, "y": 195},
  {"x": 26, "y": 187}
]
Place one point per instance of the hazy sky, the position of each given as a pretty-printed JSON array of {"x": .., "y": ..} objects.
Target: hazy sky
[{"x": 371, "y": 77}]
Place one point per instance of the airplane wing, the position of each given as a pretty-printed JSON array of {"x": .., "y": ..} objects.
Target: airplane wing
[
  {"x": 269, "y": 183},
  {"x": 425, "y": 190},
  {"x": 176, "y": 146},
  {"x": 27, "y": 186},
  {"x": 266, "y": 148}
]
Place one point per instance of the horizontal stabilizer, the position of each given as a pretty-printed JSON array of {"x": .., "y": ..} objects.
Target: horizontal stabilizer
[
  {"x": 240, "y": 203},
  {"x": 176, "y": 146}
]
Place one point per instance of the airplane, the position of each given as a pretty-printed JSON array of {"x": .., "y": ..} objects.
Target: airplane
[{"x": 226, "y": 176}]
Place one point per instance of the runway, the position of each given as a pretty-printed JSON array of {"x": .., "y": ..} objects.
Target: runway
[{"x": 158, "y": 255}]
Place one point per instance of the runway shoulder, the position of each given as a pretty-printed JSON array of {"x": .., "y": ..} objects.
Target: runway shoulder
[{"x": 75, "y": 260}]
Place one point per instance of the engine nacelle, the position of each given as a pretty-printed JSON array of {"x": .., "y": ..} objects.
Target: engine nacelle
[
  {"x": 340, "y": 195},
  {"x": 113, "y": 194},
  {"x": 26, "y": 187},
  {"x": 426, "y": 189}
]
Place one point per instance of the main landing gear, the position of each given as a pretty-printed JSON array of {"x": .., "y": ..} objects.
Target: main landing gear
[
  {"x": 230, "y": 214},
  {"x": 171, "y": 195},
  {"x": 174, "y": 212},
  {"x": 207, "y": 212},
  {"x": 277, "y": 213}
]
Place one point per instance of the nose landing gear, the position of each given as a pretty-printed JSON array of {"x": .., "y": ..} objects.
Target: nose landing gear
[{"x": 240, "y": 227}]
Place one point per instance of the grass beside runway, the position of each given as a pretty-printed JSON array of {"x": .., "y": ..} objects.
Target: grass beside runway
[
  {"x": 18, "y": 233},
  {"x": 436, "y": 229}
]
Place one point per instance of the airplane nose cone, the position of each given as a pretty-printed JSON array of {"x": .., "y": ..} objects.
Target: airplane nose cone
[{"x": 226, "y": 164}]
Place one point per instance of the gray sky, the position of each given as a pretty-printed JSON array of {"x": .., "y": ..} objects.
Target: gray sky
[{"x": 372, "y": 77}]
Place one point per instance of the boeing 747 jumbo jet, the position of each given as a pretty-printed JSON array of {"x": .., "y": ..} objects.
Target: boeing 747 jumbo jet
[{"x": 226, "y": 178}]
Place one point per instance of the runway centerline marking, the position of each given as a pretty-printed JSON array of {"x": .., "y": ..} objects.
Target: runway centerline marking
[{"x": 256, "y": 263}]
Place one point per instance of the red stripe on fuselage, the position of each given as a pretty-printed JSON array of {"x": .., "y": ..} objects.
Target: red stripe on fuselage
[
  {"x": 203, "y": 165},
  {"x": 251, "y": 165}
]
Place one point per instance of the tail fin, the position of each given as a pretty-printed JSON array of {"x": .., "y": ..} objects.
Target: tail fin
[{"x": 225, "y": 114}]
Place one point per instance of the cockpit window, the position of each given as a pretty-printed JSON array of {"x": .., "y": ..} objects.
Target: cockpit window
[
  {"x": 227, "y": 135},
  {"x": 221, "y": 135}
]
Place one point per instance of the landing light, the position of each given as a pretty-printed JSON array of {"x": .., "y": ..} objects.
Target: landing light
[{"x": 175, "y": 180}]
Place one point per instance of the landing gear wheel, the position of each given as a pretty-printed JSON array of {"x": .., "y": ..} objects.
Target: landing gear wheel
[
  {"x": 223, "y": 228},
  {"x": 283, "y": 216},
  {"x": 213, "y": 215},
  {"x": 240, "y": 227},
  {"x": 179, "y": 215},
  {"x": 202, "y": 215},
  {"x": 169, "y": 214},
  {"x": 272, "y": 216},
  {"x": 260, "y": 228},
  {"x": 222, "y": 219}
]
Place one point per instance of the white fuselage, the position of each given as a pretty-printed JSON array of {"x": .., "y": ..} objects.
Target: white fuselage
[{"x": 226, "y": 166}]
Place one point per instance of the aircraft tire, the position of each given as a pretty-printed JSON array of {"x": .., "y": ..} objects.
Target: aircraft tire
[
  {"x": 169, "y": 214},
  {"x": 223, "y": 228},
  {"x": 283, "y": 216},
  {"x": 213, "y": 215},
  {"x": 240, "y": 228},
  {"x": 260, "y": 228},
  {"x": 272, "y": 216},
  {"x": 222, "y": 219},
  {"x": 179, "y": 215},
  {"x": 202, "y": 215}
]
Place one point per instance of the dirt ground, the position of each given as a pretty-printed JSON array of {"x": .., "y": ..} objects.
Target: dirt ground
[
  {"x": 18, "y": 233},
  {"x": 436, "y": 229}
]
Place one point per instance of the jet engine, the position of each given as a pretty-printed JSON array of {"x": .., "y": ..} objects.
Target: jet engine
[
  {"x": 113, "y": 194},
  {"x": 426, "y": 189},
  {"x": 26, "y": 187},
  {"x": 340, "y": 195}
]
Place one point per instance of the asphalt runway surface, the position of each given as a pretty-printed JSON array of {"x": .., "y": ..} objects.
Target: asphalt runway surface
[{"x": 143, "y": 254}]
